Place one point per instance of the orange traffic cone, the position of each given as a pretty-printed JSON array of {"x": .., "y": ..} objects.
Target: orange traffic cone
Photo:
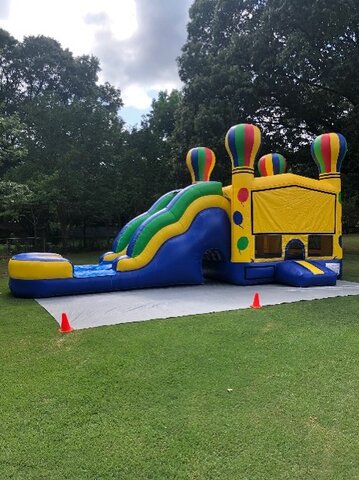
[
  {"x": 65, "y": 324},
  {"x": 256, "y": 302}
]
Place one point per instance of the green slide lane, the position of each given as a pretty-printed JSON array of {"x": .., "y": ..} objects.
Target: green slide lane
[
  {"x": 171, "y": 214},
  {"x": 124, "y": 237}
]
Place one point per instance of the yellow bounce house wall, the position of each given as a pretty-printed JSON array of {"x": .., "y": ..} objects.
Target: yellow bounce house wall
[
  {"x": 315, "y": 211},
  {"x": 286, "y": 207}
]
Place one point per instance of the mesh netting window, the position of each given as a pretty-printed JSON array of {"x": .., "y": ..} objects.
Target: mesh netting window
[
  {"x": 268, "y": 246},
  {"x": 320, "y": 245}
]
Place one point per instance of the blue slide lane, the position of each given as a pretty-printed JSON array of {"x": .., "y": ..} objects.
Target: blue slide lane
[{"x": 178, "y": 261}]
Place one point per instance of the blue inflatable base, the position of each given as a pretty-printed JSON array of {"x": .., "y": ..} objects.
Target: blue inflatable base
[
  {"x": 243, "y": 273},
  {"x": 294, "y": 274},
  {"x": 182, "y": 260},
  {"x": 287, "y": 272},
  {"x": 177, "y": 262}
]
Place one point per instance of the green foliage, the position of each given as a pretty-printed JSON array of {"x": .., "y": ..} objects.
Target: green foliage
[
  {"x": 288, "y": 66},
  {"x": 12, "y": 142},
  {"x": 73, "y": 132},
  {"x": 351, "y": 214},
  {"x": 82, "y": 166},
  {"x": 147, "y": 155},
  {"x": 13, "y": 198},
  {"x": 161, "y": 120}
]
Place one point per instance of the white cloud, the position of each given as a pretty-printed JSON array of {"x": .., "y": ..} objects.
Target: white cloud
[
  {"x": 68, "y": 20},
  {"x": 148, "y": 57},
  {"x": 137, "y": 97},
  {"x": 137, "y": 41}
]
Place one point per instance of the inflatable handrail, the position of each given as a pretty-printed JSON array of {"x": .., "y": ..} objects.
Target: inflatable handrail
[
  {"x": 198, "y": 207},
  {"x": 124, "y": 236},
  {"x": 170, "y": 214}
]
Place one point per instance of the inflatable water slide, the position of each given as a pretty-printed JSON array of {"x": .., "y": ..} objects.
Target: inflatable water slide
[{"x": 277, "y": 227}]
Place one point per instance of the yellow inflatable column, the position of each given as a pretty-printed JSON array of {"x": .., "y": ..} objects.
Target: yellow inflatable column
[
  {"x": 328, "y": 151},
  {"x": 242, "y": 144}
]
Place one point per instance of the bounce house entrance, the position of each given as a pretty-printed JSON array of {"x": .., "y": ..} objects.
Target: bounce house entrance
[
  {"x": 294, "y": 250},
  {"x": 210, "y": 260}
]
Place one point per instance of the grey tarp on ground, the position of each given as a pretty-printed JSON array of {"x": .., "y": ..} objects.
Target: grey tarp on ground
[{"x": 85, "y": 311}]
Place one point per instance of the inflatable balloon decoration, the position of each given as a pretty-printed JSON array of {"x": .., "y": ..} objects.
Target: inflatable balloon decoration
[
  {"x": 242, "y": 243},
  {"x": 242, "y": 144},
  {"x": 200, "y": 162},
  {"x": 328, "y": 151},
  {"x": 272, "y": 164},
  {"x": 238, "y": 218},
  {"x": 243, "y": 195}
]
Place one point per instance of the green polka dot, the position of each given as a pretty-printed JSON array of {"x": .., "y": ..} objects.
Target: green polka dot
[{"x": 242, "y": 243}]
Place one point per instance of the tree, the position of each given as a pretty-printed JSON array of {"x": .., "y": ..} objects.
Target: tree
[
  {"x": 39, "y": 66},
  {"x": 154, "y": 139},
  {"x": 73, "y": 129},
  {"x": 12, "y": 142},
  {"x": 146, "y": 163},
  {"x": 13, "y": 197},
  {"x": 71, "y": 152},
  {"x": 288, "y": 66}
]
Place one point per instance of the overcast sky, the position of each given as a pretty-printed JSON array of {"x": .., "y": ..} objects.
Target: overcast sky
[{"x": 137, "y": 41}]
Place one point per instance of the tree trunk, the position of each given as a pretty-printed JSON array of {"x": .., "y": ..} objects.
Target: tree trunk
[
  {"x": 84, "y": 226},
  {"x": 65, "y": 230},
  {"x": 34, "y": 229}
]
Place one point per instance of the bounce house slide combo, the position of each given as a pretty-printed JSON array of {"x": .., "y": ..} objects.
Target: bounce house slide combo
[{"x": 278, "y": 227}]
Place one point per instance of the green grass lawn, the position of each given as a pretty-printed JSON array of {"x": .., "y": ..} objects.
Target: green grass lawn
[{"x": 150, "y": 401}]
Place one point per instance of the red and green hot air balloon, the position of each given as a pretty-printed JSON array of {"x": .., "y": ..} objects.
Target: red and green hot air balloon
[
  {"x": 328, "y": 151},
  {"x": 272, "y": 164},
  {"x": 242, "y": 144},
  {"x": 200, "y": 162}
]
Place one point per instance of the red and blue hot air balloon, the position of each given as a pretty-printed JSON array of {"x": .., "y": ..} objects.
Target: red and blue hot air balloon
[
  {"x": 272, "y": 164},
  {"x": 242, "y": 144},
  {"x": 328, "y": 151},
  {"x": 200, "y": 162}
]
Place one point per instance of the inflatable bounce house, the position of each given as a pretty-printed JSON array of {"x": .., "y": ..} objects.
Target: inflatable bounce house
[{"x": 278, "y": 227}]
